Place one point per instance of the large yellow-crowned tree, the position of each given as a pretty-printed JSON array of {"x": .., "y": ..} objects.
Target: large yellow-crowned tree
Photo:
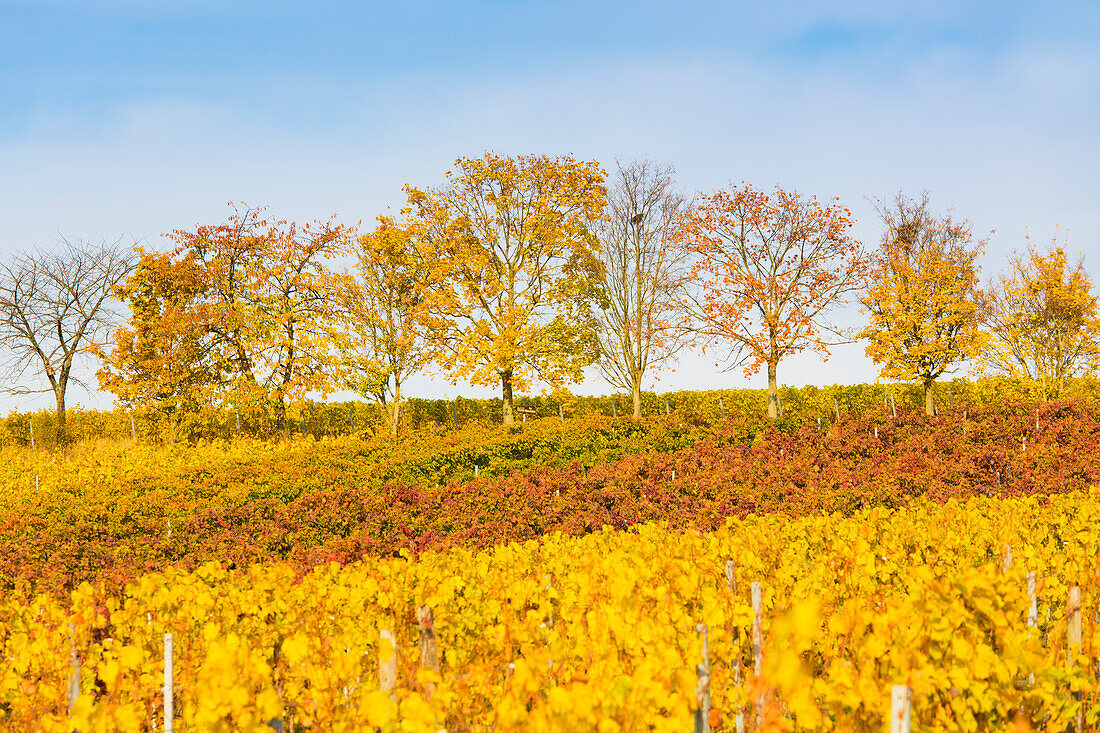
[
  {"x": 515, "y": 273},
  {"x": 1043, "y": 320},
  {"x": 921, "y": 295}
]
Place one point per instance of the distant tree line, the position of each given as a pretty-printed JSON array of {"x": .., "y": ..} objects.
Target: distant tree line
[{"x": 525, "y": 268}]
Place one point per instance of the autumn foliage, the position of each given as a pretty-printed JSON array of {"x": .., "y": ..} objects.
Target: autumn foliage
[
  {"x": 565, "y": 633},
  {"x": 515, "y": 277},
  {"x": 768, "y": 268},
  {"x": 921, "y": 295},
  {"x": 239, "y": 313},
  {"x": 1043, "y": 319},
  {"x": 310, "y": 502},
  {"x": 385, "y": 338}
]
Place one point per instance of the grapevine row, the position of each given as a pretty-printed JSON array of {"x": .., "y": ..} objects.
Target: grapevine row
[{"x": 599, "y": 631}]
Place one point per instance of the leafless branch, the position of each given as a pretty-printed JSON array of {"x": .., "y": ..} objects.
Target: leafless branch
[{"x": 55, "y": 305}]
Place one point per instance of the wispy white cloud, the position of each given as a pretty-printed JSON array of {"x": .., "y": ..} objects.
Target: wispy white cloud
[{"x": 1003, "y": 131}]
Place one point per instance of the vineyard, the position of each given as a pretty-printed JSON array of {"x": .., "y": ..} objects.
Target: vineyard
[{"x": 589, "y": 573}]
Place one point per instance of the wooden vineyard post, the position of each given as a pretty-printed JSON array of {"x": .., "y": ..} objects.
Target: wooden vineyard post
[
  {"x": 614, "y": 409},
  {"x": 731, "y": 586},
  {"x": 429, "y": 649},
  {"x": 667, "y": 411},
  {"x": 74, "y": 672},
  {"x": 1032, "y": 615},
  {"x": 876, "y": 432},
  {"x": 387, "y": 664},
  {"x": 561, "y": 412},
  {"x": 1033, "y": 607},
  {"x": 722, "y": 407},
  {"x": 758, "y": 646},
  {"x": 454, "y": 417},
  {"x": 702, "y": 687},
  {"x": 1073, "y": 639},
  {"x": 1073, "y": 618},
  {"x": 899, "y": 709},
  {"x": 836, "y": 406},
  {"x": 169, "y": 713}
]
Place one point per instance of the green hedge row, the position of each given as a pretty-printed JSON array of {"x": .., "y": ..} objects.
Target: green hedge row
[{"x": 799, "y": 405}]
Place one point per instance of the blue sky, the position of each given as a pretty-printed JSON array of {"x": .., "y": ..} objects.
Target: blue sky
[{"x": 136, "y": 117}]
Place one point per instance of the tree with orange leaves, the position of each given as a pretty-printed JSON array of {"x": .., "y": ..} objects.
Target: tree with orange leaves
[
  {"x": 767, "y": 269},
  {"x": 240, "y": 312},
  {"x": 162, "y": 358}
]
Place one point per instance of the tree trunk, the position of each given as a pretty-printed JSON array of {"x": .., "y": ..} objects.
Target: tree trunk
[
  {"x": 396, "y": 409},
  {"x": 280, "y": 418},
  {"x": 506, "y": 386},
  {"x": 773, "y": 391},
  {"x": 62, "y": 433},
  {"x": 929, "y": 403},
  {"x": 637, "y": 399}
]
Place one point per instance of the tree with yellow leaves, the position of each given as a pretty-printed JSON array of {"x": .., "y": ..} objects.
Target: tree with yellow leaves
[
  {"x": 384, "y": 327},
  {"x": 921, "y": 294},
  {"x": 515, "y": 276},
  {"x": 1043, "y": 320}
]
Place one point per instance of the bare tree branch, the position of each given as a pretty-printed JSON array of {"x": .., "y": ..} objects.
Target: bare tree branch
[
  {"x": 56, "y": 305},
  {"x": 643, "y": 276}
]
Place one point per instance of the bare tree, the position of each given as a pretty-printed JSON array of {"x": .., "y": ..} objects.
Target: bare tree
[
  {"x": 643, "y": 275},
  {"x": 54, "y": 309}
]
